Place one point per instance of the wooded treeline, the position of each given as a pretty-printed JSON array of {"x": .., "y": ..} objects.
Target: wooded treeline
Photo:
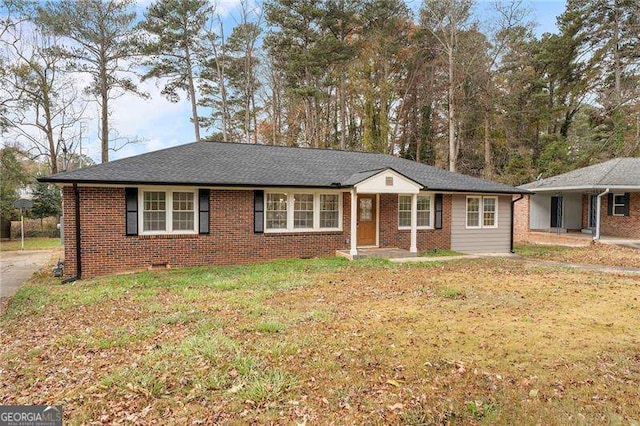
[{"x": 478, "y": 93}]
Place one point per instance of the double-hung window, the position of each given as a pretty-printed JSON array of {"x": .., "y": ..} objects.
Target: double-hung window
[
  {"x": 276, "y": 217},
  {"x": 329, "y": 211},
  {"x": 302, "y": 211},
  {"x": 482, "y": 212},
  {"x": 619, "y": 204},
  {"x": 424, "y": 213},
  {"x": 168, "y": 212}
]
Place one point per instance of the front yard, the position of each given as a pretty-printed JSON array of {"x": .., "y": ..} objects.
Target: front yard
[{"x": 475, "y": 341}]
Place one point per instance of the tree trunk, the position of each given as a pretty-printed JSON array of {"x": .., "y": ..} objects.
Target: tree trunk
[
  {"x": 192, "y": 94},
  {"x": 452, "y": 117},
  {"x": 104, "y": 112},
  {"x": 453, "y": 154},
  {"x": 616, "y": 54},
  {"x": 343, "y": 121},
  {"x": 488, "y": 156},
  {"x": 53, "y": 152}
]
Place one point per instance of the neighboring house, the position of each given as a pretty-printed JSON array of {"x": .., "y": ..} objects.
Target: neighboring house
[
  {"x": 603, "y": 199},
  {"x": 209, "y": 203}
]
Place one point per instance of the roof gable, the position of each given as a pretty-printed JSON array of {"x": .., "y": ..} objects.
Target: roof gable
[{"x": 387, "y": 181}]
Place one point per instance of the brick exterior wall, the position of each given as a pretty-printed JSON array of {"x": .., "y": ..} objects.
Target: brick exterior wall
[
  {"x": 521, "y": 218},
  {"x": 427, "y": 239},
  {"x": 107, "y": 250},
  {"x": 621, "y": 226},
  {"x": 585, "y": 211}
]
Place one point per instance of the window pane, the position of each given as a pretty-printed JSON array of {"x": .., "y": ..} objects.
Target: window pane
[
  {"x": 303, "y": 210},
  {"x": 183, "y": 211},
  {"x": 473, "y": 211},
  {"x": 424, "y": 211},
  {"x": 404, "y": 203},
  {"x": 489, "y": 212},
  {"x": 329, "y": 213},
  {"x": 154, "y": 211},
  {"x": 618, "y": 204},
  {"x": 276, "y": 211},
  {"x": 365, "y": 209},
  {"x": 404, "y": 218},
  {"x": 154, "y": 221},
  {"x": 404, "y": 210}
]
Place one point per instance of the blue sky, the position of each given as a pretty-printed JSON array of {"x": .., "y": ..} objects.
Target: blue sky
[{"x": 162, "y": 123}]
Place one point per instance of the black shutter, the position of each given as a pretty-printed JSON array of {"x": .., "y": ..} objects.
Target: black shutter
[
  {"x": 258, "y": 212},
  {"x": 627, "y": 203},
  {"x": 610, "y": 204},
  {"x": 131, "y": 197},
  {"x": 203, "y": 211},
  {"x": 438, "y": 218}
]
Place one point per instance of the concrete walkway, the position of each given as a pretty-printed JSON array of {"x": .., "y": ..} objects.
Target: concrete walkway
[
  {"x": 433, "y": 258},
  {"x": 17, "y": 266}
]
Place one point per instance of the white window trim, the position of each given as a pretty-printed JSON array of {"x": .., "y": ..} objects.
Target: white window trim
[
  {"x": 613, "y": 208},
  {"x": 169, "y": 210},
  {"x": 481, "y": 212},
  {"x": 431, "y": 213},
  {"x": 289, "y": 192}
]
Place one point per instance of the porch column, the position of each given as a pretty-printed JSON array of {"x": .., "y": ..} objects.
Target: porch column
[
  {"x": 414, "y": 223},
  {"x": 598, "y": 213},
  {"x": 354, "y": 223}
]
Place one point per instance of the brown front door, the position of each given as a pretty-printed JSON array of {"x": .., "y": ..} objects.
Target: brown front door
[{"x": 366, "y": 220}]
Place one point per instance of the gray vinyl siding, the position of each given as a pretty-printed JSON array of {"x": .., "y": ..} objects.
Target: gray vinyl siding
[{"x": 483, "y": 240}]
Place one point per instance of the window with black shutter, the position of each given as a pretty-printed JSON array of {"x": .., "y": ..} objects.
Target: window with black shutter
[
  {"x": 131, "y": 197},
  {"x": 258, "y": 212},
  {"x": 438, "y": 214},
  {"x": 203, "y": 211}
]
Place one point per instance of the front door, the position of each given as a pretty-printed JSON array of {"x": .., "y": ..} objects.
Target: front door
[
  {"x": 367, "y": 220},
  {"x": 556, "y": 212}
]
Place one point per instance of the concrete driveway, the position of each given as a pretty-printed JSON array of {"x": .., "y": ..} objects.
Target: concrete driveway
[{"x": 17, "y": 266}]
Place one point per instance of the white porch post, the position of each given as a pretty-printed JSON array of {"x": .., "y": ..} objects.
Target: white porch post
[
  {"x": 598, "y": 213},
  {"x": 354, "y": 223},
  {"x": 414, "y": 223}
]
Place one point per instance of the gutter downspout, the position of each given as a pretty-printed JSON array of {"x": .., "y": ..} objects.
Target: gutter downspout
[
  {"x": 599, "y": 213},
  {"x": 512, "y": 219},
  {"x": 78, "y": 275}
]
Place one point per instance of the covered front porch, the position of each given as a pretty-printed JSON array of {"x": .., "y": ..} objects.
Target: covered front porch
[
  {"x": 589, "y": 211},
  {"x": 365, "y": 214}
]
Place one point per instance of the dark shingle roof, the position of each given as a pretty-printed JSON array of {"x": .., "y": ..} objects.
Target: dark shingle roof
[
  {"x": 620, "y": 172},
  {"x": 232, "y": 164}
]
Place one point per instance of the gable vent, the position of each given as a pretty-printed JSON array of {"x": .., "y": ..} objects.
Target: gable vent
[{"x": 389, "y": 181}]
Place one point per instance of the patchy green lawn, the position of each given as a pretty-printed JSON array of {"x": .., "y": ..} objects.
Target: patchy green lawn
[
  {"x": 478, "y": 341},
  {"x": 30, "y": 244},
  {"x": 595, "y": 254}
]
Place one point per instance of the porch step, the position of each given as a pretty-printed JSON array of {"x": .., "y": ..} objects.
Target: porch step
[{"x": 377, "y": 253}]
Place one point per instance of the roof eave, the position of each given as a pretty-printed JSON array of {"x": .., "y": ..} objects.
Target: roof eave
[{"x": 577, "y": 188}]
